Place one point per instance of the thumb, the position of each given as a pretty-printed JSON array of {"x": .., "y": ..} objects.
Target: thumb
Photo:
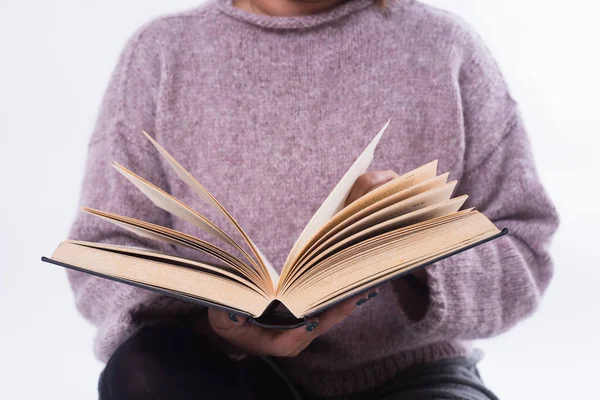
[{"x": 367, "y": 182}]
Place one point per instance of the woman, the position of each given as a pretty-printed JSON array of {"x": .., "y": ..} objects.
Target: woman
[{"x": 267, "y": 103}]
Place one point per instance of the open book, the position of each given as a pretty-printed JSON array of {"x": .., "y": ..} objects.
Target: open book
[{"x": 405, "y": 224}]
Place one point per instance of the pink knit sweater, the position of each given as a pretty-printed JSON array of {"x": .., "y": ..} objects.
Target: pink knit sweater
[{"x": 269, "y": 112}]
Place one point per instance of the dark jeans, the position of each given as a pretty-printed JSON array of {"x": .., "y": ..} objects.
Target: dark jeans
[{"x": 169, "y": 362}]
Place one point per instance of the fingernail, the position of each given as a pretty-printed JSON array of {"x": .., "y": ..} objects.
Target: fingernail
[
  {"x": 311, "y": 326},
  {"x": 361, "y": 302},
  {"x": 233, "y": 317},
  {"x": 373, "y": 294}
]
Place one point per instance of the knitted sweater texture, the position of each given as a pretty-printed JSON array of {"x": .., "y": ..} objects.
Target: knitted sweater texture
[{"x": 268, "y": 113}]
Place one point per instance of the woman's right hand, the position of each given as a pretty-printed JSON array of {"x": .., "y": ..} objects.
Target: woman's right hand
[{"x": 242, "y": 337}]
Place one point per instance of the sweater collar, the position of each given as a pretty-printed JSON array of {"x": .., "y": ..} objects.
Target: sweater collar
[{"x": 299, "y": 22}]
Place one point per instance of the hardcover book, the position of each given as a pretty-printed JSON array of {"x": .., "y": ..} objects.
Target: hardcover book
[{"x": 405, "y": 224}]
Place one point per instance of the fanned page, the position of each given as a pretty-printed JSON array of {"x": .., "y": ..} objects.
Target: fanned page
[
  {"x": 170, "y": 204},
  {"x": 387, "y": 203},
  {"x": 195, "y": 265},
  {"x": 349, "y": 239},
  {"x": 266, "y": 268},
  {"x": 397, "y": 189},
  {"x": 343, "y": 241},
  {"x": 335, "y": 201},
  {"x": 160, "y": 233},
  {"x": 371, "y": 262},
  {"x": 432, "y": 199}
]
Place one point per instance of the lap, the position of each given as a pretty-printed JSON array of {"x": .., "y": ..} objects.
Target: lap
[{"x": 169, "y": 362}]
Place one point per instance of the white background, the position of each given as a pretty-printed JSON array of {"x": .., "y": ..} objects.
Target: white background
[{"x": 55, "y": 59}]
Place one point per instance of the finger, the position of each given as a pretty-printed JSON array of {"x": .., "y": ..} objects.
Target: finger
[{"x": 368, "y": 182}]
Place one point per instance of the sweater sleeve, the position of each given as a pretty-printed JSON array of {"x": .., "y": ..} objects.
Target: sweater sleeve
[
  {"x": 128, "y": 107},
  {"x": 486, "y": 290}
]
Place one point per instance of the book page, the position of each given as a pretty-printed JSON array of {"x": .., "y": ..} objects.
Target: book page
[
  {"x": 386, "y": 257},
  {"x": 378, "y": 279},
  {"x": 353, "y": 248},
  {"x": 387, "y": 190},
  {"x": 415, "y": 203},
  {"x": 171, "y": 236},
  {"x": 384, "y": 203},
  {"x": 195, "y": 283},
  {"x": 424, "y": 214},
  {"x": 127, "y": 250},
  {"x": 335, "y": 201},
  {"x": 266, "y": 268},
  {"x": 170, "y": 204},
  {"x": 384, "y": 191}
]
